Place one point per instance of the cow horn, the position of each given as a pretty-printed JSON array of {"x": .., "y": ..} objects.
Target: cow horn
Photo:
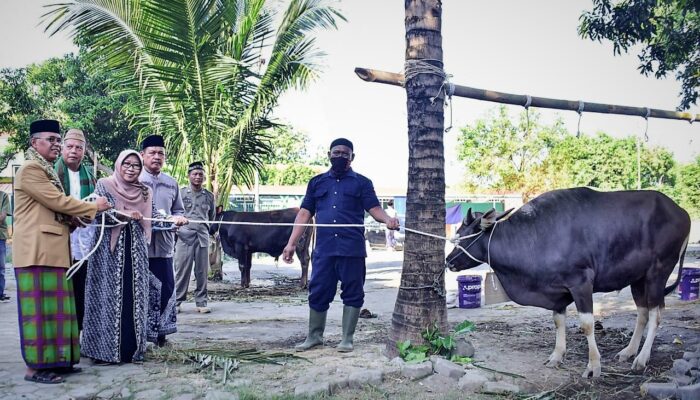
[{"x": 469, "y": 218}]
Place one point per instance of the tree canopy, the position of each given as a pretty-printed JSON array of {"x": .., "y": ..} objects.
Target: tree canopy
[
  {"x": 64, "y": 89},
  {"x": 504, "y": 155},
  {"x": 509, "y": 156},
  {"x": 291, "y": 162},
  {"x": 667, "y": 30},
  {"x": 206, "y": 73}
]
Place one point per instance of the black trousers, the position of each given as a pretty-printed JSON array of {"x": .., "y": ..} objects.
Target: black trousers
[{"x": 79, "y": 279}]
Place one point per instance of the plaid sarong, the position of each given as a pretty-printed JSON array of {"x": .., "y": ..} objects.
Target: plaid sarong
[{"x": 48, "y": 326}]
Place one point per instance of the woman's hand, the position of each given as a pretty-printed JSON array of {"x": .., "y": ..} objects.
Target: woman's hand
[{"x": 136, "y": 216}]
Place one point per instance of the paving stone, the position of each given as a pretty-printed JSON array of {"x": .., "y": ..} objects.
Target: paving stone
[
  {"x": 362, "y": 378},
  {"x": 186, "y": 396},
  {"x": 659, "y": 390},
  {"x": 448, "y": 368},
  {"x": 338, "y": 384},
  {"x": 220, "y": 395},
  {"x": 436, "y": 383},
  {"x": 691, "y": 392},
  {"x": 312, "y": 389},
  {"x": 472, "y": 381},
  {"x": 463, "y": 347},
  {"x": 682, "y": 380},
  {"x": 681, "y": 367},
  {"x": 691, "y": 354},
  {"x": 109, "y": 393},
  {"x": 417, "y": 371},
  {"x": 398, "y": 361},
  {"x": 500, "y": 387},
  {"x": 151, "y": 394}
]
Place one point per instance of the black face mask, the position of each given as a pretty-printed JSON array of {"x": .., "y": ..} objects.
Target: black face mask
[{"x": 339, "y": 164}]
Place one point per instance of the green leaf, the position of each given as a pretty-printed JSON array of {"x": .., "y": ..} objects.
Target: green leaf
[
  {"x": 461, "y": 360},
  {"x": 464, "y": 327}
]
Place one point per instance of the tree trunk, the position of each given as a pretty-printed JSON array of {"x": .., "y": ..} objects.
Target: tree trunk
[{"x": 420, "y": 301}]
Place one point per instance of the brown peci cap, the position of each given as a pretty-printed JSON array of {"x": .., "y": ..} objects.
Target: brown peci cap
[{"x": 75, "y": 134}]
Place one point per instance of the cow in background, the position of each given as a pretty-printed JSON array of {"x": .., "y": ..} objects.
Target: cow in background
[
  {"x": 241, "y": 241},
  {"x": 565, "y": 245}
]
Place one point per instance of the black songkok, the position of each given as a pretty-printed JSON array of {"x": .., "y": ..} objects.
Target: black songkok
[
  {"x": 152, "y": 141},
  {"x": 44, "y": 125},
  {"x": 342, "y": 142},
  {"x": 195, "y": 165}
]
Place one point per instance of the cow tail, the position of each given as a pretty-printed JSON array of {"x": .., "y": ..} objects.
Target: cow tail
[{"x": 680, "y": 268}]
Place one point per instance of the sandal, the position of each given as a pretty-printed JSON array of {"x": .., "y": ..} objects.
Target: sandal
[
  {"x": 68, "y": 370},
  {"x": 47, "y": 377}
]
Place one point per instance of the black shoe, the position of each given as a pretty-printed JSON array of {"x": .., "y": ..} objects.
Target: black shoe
[
  {"x": 4, "y": 298},
  {"x": 162, "y": 341}
]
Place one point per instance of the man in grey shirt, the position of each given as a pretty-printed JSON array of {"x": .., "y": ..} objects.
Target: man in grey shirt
[
  {"x": 193, "y": 240},
  {"x": 162, "y": 317}
]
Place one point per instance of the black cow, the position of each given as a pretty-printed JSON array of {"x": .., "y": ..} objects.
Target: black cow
[
  {"x": 567, "y": 244},
  {"x": 241, "y": 241}
]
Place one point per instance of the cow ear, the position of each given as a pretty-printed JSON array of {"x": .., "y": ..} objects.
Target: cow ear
[
  {"x": 488, "y": 219},
  {"x": 504, "y": 214},
  {"x": 469, "y": 218}
]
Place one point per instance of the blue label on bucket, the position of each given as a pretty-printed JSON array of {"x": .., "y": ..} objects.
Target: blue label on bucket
[
  {"x": 689, "y": 287},
  {"x": 469, "y": 291}
]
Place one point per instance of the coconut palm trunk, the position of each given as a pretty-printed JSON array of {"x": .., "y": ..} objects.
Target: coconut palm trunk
[{"x": 421, "y": 300}]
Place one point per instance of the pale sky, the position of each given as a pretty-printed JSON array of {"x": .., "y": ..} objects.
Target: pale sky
[{"x": 511, "y": 46}]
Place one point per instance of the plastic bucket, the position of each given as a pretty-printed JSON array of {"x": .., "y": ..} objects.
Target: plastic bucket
[
  {"x": 690, "y": 284},
  {"x": 469, "y": 291}
]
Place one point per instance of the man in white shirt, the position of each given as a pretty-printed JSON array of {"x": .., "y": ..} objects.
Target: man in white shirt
[{"x": 78, "y": 182}]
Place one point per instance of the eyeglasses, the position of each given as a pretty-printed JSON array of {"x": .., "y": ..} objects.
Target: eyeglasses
[
  {"x": 52, "y": 139},
  {"x": 135, "y": 167}
]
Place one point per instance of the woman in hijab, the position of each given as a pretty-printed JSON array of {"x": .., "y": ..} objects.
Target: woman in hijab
[{"x": 116, "y": 293}]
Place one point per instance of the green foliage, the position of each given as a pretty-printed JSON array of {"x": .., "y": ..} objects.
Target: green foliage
[
  {"x": 207, "y": 73},
  {"x": 609, "y": 163},
  {"x": 64, "y": 89},
  {"x": 287, "y": 164},
  {"x": 435, "y": 343},
  {"x": 501, "y": 155},
  {"x": 687, "y": 189},
  {"x": 667, "y": 31},
  {"x": 507, "y": 156},
  {"x": 290, "y": 174},
  {"x": 464, "y": 327}
]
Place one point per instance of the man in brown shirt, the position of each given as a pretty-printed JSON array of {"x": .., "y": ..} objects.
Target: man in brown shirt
[{"x": 41, "y": 254}]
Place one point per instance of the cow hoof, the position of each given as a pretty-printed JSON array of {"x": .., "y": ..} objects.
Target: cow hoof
[
  {"x": 592, "y": 371},
  {"x": 640, "y": 363},
  {"x": 554, "y": 361},
  {"x": 624, "y": 355}
]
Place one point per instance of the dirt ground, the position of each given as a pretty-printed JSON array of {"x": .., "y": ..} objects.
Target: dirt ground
[
  {"x": 509, "y": 338},
  {"x": 272, "y": 316}
]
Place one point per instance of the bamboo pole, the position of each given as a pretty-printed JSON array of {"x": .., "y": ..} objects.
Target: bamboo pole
[{"x": 392, "y": 78}]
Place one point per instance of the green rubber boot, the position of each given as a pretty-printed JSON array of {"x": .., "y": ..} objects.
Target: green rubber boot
[
  {"x": 350, "y": 316},
  {"x": 317, "y": 324}
]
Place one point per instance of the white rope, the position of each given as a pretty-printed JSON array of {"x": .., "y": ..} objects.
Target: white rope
[
  {"x": 581, "y": 106},
  {"x": 75, "y": 267},
  {"x": 646, "y": 128},
  {"x": 413, "y": 68}
]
